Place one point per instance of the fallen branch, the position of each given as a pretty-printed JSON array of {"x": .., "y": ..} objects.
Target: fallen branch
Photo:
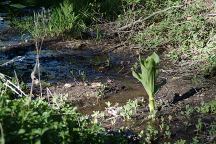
[
  {"x": 148, "y": 17},
  {"x": 18, "y": 58},
  {"x": 11, "y": 85},
  {"x": 110, "y": 49},
  {"x": 211, "y": 14}
]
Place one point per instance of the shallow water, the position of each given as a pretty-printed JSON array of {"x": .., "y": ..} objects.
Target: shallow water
[
  {"x": 62, "y": 65},
  {"x": 55, "y": 65},
  {"x": 133, "y": 91},
  {"x": 8, "y": 35}
]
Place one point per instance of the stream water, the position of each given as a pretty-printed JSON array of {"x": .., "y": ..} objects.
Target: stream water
[{"x": 61, "y": 65}]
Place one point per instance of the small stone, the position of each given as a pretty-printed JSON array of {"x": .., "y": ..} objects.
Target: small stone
[
  {"x": 96, "y": 84},
  {"x": 67, "y": 85}
]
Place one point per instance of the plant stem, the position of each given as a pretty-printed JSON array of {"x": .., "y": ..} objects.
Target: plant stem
[{"x": 151, "y": 104}]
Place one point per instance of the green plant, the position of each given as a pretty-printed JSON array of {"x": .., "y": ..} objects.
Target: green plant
[
  {"x": 148, "y": 76},
  {"x": 129, "y": 109},
  {"x": 199, "y": 125},
  {"x": 52, "y": 22},
  {"x": 209, "y": 107},
  {"x": 37, "y": 121},
  {"x": 181, "y": 141}
]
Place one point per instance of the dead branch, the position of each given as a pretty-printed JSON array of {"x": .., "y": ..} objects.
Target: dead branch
[
  {"x": 148, "y": 17},
  {"x": 11, "y": 85},
  {"x": 18, "y": 58}
]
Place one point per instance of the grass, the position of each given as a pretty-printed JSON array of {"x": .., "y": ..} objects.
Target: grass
[
  {"x": 51, "y": 23},
  {"x": 69, "y": 17},
  {"x": 186, "y": 32}
]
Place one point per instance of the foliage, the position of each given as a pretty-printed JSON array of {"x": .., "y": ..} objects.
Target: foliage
[
  {"x": 209, "y": 107},
  {"x": 185, "y": 31},
  {"x": 199, "y": 122},
  {"x": 129, "y": 109},
  {"x": 37, "y": 121},
  {"x": 68, "y": 16},
  {"x": 147, "y": 77},
  {"x": 51, "y": 23}
]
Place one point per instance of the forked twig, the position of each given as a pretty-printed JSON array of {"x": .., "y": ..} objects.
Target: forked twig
[{"x": 38, "y": 46}]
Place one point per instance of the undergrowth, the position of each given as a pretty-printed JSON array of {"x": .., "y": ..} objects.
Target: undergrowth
[
  {"x": 51, "y": 23},
  {"x": 37, "y": 121},
  {"x": 184, "y": 30}
]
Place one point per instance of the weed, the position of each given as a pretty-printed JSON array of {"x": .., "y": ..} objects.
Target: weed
[
  {"x": 147, "y": 77},
  {"x": 199, "y": 125},
  {"x": 129, "y": 109},
  {"x": 195, "y": 140},
  {"x": 209, "y": 107},
  {"x": 151, "y": 133},
  {"x": 2, "y": 140},
  {"x": 181, "y": 141},
  {"x": 212, "y": 131},
  {"x": 184, "y": 31},
  {"x": 188, "y": 111},
  {"x": 51, "y": 22},
  {"x": 101, "y": 91},
  {"x": 79, "y": 74}
]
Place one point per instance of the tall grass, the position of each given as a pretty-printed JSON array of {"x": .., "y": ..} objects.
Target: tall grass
[{"x": 51, "y": 22}]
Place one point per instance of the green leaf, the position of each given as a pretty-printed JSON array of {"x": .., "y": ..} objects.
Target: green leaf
[
  {"x": 21, "y": 131},
  {"x": 147, "y": 76}
]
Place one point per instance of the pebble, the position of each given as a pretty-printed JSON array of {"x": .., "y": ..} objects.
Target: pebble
[
  {"x": 96, "y": 84},
  {"x": 67, "y": 85}
]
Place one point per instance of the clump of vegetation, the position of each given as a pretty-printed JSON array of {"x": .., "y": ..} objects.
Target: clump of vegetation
[
  {"x": 147, "y": 77},
  {"x": 199, "y": 122},
  {"x": 37, "y": 121},
  {"x": 53, "y": 22},
  {"x": 184, "y": 29},
  {"x": 70, "y": 16}
]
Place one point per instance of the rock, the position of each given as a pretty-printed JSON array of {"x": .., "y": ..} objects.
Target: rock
[
  {"x": 67, "y": 85},
  {"x": 96, "y": 84}
]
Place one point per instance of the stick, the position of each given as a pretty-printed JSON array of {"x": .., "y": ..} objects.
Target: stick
[
  {"x": 153, "y": 14},
  {"x": 18, "y": 58},
  {"x": 11, "y": 85}
]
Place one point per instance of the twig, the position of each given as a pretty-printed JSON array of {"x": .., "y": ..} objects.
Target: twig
[
  {"x": 18, "y": 58},
  {"x": 11, "y": 85},
  {"x": 16, "y": 78},
  {"x": 211, "y": 14},
  {"x": 111, "y": 49},
  {"x": 36, "y": 69},
  {"x": 146, "y": 18},
  {"x": 2, "y": 134}
]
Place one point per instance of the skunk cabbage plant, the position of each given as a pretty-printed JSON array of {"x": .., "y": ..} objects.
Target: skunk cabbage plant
[{"x": 147, "y": 77}]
